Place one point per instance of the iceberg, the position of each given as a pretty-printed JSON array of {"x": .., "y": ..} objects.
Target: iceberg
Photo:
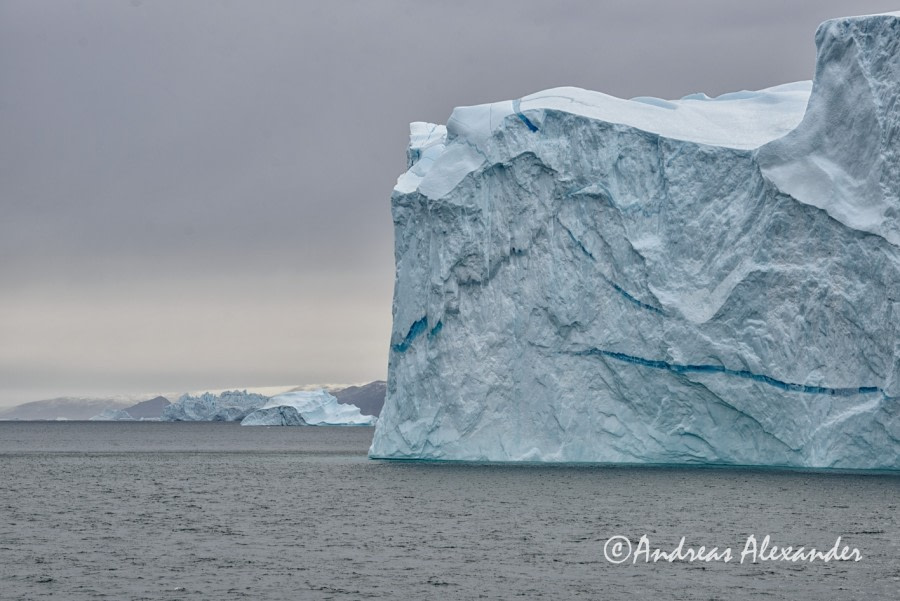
[
  {"x": 113, "y": 415},
  {"x": 229, "y": 406},
  {"x": 582, "y": 278},
  {"x": 278, "y": 415},
  {"x": 313, "y": 407}
]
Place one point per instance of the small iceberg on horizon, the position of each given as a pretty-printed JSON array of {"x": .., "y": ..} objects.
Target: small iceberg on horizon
[
  {"x": 113, "y": 415},
  {"x": 307, "y": 408}
]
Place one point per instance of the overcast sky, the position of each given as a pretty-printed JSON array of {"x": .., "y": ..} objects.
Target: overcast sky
[{"x": 197, "y": 194}]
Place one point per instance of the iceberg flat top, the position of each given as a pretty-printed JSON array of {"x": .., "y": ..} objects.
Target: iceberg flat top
[{"x": 742, "y": 120}]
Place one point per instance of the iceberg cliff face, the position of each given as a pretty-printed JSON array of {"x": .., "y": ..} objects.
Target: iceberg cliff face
[{"x": 584, "y": 278}]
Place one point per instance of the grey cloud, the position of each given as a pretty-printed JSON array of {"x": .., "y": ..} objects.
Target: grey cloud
[{"x": 149, "y": 151}]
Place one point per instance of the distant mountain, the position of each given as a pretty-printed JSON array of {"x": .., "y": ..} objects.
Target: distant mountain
[
  {"x": 148, "y": 409},
  {"x": 63, "y": 407},
  {"x": 369, "y": 397}
]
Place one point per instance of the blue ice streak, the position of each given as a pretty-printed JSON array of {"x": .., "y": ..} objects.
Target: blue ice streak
[
  {"x": 739, "y": 373},
  {"x": 531, "y": 126}
]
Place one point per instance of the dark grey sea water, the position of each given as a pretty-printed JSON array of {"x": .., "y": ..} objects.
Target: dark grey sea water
[{"x": 214, "y": 511}]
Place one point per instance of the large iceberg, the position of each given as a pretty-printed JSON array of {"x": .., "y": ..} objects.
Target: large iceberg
[
  {"x": 229, "y": 406},
  {"x": 307, "y": 407},
  {"x": 582, "y": 278}
]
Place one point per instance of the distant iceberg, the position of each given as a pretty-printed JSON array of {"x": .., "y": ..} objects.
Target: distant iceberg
[
  {"x": 313, "y": 408},
  {"x": 230, "y": 406},
  {"x": 281, "y": 415},
  {"x": 113, "y": 415}
]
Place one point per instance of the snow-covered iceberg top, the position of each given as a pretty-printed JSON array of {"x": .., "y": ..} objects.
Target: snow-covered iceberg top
[
  {"x": 746, "y": 119},
  {"x": 229, "y": 406},
  {"x": 741, "y": 120},
  {"x": 314, "y": 408}
]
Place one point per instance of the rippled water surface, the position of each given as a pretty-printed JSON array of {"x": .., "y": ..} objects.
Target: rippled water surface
[{"x": 214, "y": 511}]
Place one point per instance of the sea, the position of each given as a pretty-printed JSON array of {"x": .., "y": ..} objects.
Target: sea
[{"x": 170, "y": 511}]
